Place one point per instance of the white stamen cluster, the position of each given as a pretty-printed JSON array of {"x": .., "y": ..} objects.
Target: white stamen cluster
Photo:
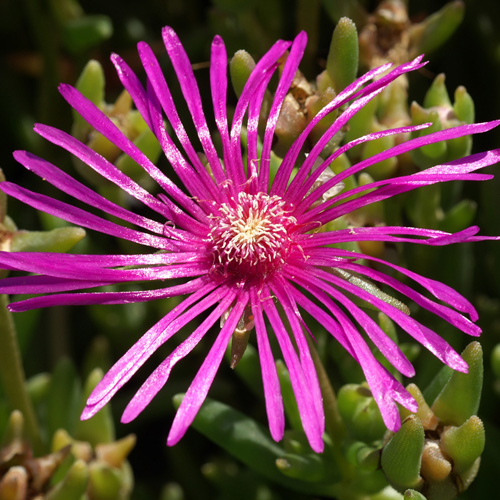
[{"x": 251, "y": 234}]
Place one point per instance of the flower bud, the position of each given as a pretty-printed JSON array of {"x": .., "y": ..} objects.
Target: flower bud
[
  {"x": 435, "y": 467},
  {"x": 437, "y": 95},
  {"x": 464, "y": 105}
]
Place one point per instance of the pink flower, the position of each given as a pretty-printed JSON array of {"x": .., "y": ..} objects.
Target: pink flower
[{"x": 241, "y": 243}]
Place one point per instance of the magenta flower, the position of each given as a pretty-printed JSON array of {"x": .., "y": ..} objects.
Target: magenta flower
[{"x": 247, "y": 248}]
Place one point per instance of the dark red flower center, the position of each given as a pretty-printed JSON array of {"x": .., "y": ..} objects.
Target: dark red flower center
[{"x": 251, "y": 236}]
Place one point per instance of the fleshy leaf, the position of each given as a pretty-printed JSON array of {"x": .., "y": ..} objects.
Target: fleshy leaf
[{"x": 460, "y": 398}]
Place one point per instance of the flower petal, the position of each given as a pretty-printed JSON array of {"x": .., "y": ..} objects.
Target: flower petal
[
  {"x": 159, "y": 377},
  {"x": 272, "y": 390},
  {"x": 200, "y": 385},
  {"x": 137, "y": 355}
]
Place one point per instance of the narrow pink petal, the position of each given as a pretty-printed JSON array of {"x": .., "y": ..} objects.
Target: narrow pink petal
[
  {"x": 338, "y": 125},
  {"x": 140, "y": 352},
  {"x": 43, "y": 284},
  {"x": 218, "y": 87},
  {"x": 437, "y": 289},
  {"x": 159, "y": 84},
  {"x": 311, "y": 421},
  {"x": 311, "y": 177},
  {"x": 332, "y": 324},
  {"x": 133, "y": 86},
  {"x": 101, "y": 166},
  {"x": 429, "y": 339},
  {"x": 159, "y": 377},
  {"x": 384, "y": 387},
  {"x": 189, "y": 177},
  {"x": 289, "y": 70},
  {"x": 350, "y": 92},
  {"x": 200, "y": 386},
  {"x": 187, "y": 81},
  {"x": 253, "y": 157},
  {"x": 259, "y": 77},
  {"x": 91, "y": 298},
  {"x": 68, "y": 185},
  {"x": 282, "y": 290},
  {"x": 420, "y": 236},
  {"x": 404, "y": 147},
  {"x": 456, "y": 170},
  {"x": 272, "y": 389},
  {"x": 95, "y": 117},
  {"x": 388, "y": 348},
  {"x": 387, "y": 189},
  {"x": 452, "y": 317},
  {"x": 83, "y": 218},
  {"x": 38, "y": 262}
]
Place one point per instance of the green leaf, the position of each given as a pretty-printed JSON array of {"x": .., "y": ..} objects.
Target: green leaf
[
  {"x": 99, "y": 428},
  {"x": 248, "y": 441},
  {"x": 63, "y": 398},
  {"x": 58, "y": 240},
  {"x": 464, "y": 444},
  {"x": 343, "y": 56},
  {"x": 240, "y": 67},
  {"x": 460, "y": 398},
  {"x": 85, "y": 32},
  {"x": 432, "y": 33},
  {"x": 73, "y": 486},
  {"x": 402, "y": 456}
]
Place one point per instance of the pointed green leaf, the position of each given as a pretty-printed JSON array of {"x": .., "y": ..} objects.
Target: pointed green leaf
[
  {"x": 437, "y": 95},
  {"x": 57, "y": 240},
  {"x": 402, "y": 456},
  {"x": 433, "y": 32},
  {"x": 73, "y": 486},
  {"x": 100, "y": 428},
  {"x": 343, "y": 56},
  {"x": 63, "y": 402},
  {"x": 240, "y": 68},
  {"x": 85, "y": 32},
  {"x": 460, "y": 398},
  {"x": 248, "y": 441},
  {"x": 464, "y": 444}
]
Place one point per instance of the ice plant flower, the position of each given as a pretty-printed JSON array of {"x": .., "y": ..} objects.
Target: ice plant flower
[{"x": 243, "y": 244}]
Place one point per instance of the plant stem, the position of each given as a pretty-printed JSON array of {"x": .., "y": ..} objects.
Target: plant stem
[{"x": 12, "y": 374}]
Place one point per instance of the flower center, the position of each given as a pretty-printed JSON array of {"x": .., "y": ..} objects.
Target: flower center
[{"x": 251, "y": 236}]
